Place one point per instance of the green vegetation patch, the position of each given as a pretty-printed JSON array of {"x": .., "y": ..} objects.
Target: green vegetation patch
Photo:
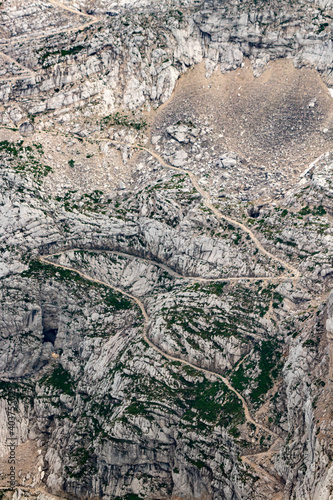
[
  {"x": 85, "y": 464},
  {"x": 15, "y": 391},
  {"x": 176, "y": 182},
  {"x": 202, "y": 403},
  {"x": 137, "y": 408},
  {"x": 117, "y": 300},
  {"x": 203, "y": 399},
  {"x": 167, "y": 201},
  {"x": 318, "y": 211},
  {"x": 322, "y": 27},
  {"x": 11, "y": 148},
  {"x": 72, "y": 50},
  {"x": 269, "y": 365},
  {"x": 215, "y": 288},
  {"x": 111, "y": 298},
  {"x": 123, "y": 120},
  {"x": 88, "y": 202},
  {"x": 240, "y": 380},
  {"x": 238, "y": 317},
  {"x": 36, "y": 267},
  {"x": 60, "y": 380},
  {"x": 212, "y": 403},
  {"x": 176, "y": 14},
  {"x": 25, "y": 159},
  {"x": 63, "y": 53},
  {"x": 313, "y": 343}
]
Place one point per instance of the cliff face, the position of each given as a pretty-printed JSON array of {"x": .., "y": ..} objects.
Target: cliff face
[{"x": 166, "y": 250}]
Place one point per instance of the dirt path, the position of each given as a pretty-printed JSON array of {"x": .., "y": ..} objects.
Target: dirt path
[
  {"x": 194, "y": 279},
  {"x": 28, "y": 73},
  {"x": 295, "y": 274},
  {"x": 274, "y": 448},
  {"x": 168, "y": 356},
  {"x": 55, "y": 3},
  {"x": 208, "y": 202},
  {"x": 209, "y": 373},
  {"x": 12, "y": 61},
  {"x": 15, "y": 78}
]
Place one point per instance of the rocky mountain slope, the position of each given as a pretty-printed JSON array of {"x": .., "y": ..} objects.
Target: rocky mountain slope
[{"x": 166, "y": 250}]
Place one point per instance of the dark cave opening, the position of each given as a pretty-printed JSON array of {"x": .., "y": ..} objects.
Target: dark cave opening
[{"x": 50, "y": 335}]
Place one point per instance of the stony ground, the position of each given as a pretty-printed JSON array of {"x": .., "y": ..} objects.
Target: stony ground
[{"x": 166, "y": 250}]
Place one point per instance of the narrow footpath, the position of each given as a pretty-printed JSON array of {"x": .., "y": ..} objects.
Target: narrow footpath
[{"x": 245, "y": 458}]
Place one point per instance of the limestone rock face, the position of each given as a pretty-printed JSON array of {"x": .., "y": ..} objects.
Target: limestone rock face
[{"x": 166, "y": 304}]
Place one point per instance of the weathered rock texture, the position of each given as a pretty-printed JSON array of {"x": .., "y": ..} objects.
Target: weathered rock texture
[{"x": 166, "y": 249}]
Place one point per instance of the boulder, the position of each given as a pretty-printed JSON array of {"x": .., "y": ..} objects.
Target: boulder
[{"x": 26, "y": 129}]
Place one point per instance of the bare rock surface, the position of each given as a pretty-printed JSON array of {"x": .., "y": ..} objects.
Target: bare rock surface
[{"x": 166, "y": 310}]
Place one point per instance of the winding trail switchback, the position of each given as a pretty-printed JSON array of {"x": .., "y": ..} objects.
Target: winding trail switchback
[
  {"x": 55, "y": 3},
  {"x": 209, "y": 373},
  {"x": 172, "y": 272},
  {"x": 28, "y": 73},
  {"x": 295, "y": 275},
  {"x": 209, "y": 204},
  {"x": 166, "y": 355}
]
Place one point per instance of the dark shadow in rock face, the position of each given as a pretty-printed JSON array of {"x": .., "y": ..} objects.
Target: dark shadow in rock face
[
  {"x": 50, "y": 323},
  {"x": 50, "y": 335},
  {"x": 284, "y": 118}
]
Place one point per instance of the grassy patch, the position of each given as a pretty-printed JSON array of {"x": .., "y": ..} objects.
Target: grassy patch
[
  {"x": 215, "y": 288},
  {"x": 15, "y": 390},
  {"x": 239, "y": 379},
  {"x": 318, "y": 211},
  {"x": 176, "y": 14},
  {"x": 269, "y": 365},
  {"x": 88, "y": 202},
  {"x": 123, "y": 120},
  {"x": 84, "y": 464},
  {"x": 72, "y": 50},
  {"x": 312, "y": 342},
  {"x": 137, "y": 408},
  {"x": 64, "y": 52},
  {"x": 201, "y": 322},
  {"x": 212, "y": 403},
  {"x": 25, "y": 159},
  {"x": 117, "y": 301},
  {"x": 111, "y": 298},
  {"x": 60, "y": 380}
]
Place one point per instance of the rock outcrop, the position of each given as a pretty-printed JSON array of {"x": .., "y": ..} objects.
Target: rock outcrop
[{"x": 166, "y": 250}]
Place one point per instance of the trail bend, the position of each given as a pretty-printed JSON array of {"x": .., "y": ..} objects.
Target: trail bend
[
  {"x": 10, "y": 60},
  {"x": 209, "y": 204},
  {"x": 55, "y": 3},
  {"x": 172, "y": 272},
  {"x": 245, "y": 458},
  {"x": 157, "y": 349}
]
